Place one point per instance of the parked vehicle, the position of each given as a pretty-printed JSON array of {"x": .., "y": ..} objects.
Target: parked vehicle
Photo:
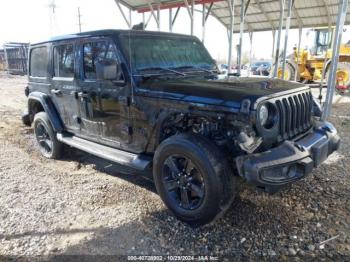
[
  {"x": 149, "y": 99},
  {"x": 223, "y": 68},
  {"x": 261, "y": 68}
]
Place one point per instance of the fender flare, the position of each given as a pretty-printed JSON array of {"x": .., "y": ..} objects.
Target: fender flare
[{"x": 48, "y": 107}]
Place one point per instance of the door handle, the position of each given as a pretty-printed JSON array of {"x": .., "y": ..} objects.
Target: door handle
[
  {"x": 56, "y": 92},
  {"x": 83, "y": 95}
]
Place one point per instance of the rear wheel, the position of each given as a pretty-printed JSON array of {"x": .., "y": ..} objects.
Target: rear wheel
[
  {"x": 193, "y": 179},
  {"x": 45, "y": 135}
]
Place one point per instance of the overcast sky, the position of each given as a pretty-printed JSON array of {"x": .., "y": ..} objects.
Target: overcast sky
[{"x": 29, "y": 21}]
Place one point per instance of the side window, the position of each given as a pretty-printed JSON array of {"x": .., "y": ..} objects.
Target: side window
[
  {"x": 101, "y": 61},
  {"x": 63, "y": 59},
  {"x": 39, "y": 60}
]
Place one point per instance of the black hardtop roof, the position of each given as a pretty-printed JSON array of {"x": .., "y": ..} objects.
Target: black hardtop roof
[{"x": 107, "y": 32}]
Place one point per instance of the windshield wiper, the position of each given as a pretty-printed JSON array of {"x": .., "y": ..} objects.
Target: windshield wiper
[
  {"x": 159, "y": 69},
  {"x": 196, "y": 68}
]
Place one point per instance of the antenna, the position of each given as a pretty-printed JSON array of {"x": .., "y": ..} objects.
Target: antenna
[{"x": 79, "y": 19}]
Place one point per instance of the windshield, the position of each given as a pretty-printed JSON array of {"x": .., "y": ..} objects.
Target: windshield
[{"x": 169, "y": 52}]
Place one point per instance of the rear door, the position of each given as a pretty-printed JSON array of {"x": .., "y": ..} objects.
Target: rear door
[{"x": 64, "y": 88}]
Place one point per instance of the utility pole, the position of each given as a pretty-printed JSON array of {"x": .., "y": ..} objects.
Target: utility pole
[
  {"x": 79, "y": 19},
  {"x": 52, "y": 7}
]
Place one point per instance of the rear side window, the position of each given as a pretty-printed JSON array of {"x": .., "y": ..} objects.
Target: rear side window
[
  {"x": 39, "y": 60},
  {"x": 63, "y": 59}
]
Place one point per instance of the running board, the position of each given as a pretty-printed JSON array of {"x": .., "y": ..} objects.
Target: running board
[{"x": 136, "y": 161}]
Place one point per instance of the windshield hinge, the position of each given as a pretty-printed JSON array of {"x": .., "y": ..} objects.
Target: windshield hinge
[{"x": 128, "y": 101}]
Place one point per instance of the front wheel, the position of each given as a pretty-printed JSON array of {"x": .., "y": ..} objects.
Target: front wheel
[
  {"x": 289, "y": 72},
  {"x": 193, "y": 179}
]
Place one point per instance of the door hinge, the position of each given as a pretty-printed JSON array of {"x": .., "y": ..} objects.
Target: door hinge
[
  {"x": 128, "y": 100},
  {"x": 130, "y": 130}
]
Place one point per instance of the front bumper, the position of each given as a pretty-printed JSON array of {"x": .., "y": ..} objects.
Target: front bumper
[{"x": 290, "y": 161}]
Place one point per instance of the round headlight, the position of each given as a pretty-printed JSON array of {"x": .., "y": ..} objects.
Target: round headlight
[
  {"x": 267, "y": 115},
  {"x": 263, "y": 115}
]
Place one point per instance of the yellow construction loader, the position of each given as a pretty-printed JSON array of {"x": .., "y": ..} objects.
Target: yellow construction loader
[{"x": 310, "y": 63}]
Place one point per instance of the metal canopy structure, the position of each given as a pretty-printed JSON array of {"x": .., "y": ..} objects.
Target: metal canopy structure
[
  {"x": 261, "y": 15},
  {"x": 257, "y": 15}
]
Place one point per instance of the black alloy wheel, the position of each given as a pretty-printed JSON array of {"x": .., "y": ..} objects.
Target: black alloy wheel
[
  {"x": 184, "y": 182},
  {"x": 193, "y": 178}
]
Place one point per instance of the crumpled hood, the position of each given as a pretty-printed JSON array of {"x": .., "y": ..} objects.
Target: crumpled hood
[{"x": 218, "y": 92}]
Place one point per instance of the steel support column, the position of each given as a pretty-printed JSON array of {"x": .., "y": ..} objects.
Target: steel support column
[
  {"x": 273, "y": 43},
  {"x": 130, "y": 18},
  {"x": 205, "y": 16},
  {"x": 325, "y": 58},
  {"x": 192, "y": 17},
  {"x": 128, "y": 22},
  {"x": 241, "y": 32},
  {"x": 158, "y": 17},
  {"x": 190, "y": 10},
  {"x": 148, "y": 19},
  {"x": 290, "y": 4},
  {"x": 203, "y": 22},
  {"x": 175, "y": 16},
  {"x": 170, "y": 20},
  {"x": 298, "y": 51},
  {"x": 250, "y": 51},
  {"x": 231, "y": 5},
  {"x": 343, "y": 6},
  {"x": 144, "y": 21},
  {"x": 278, "y": 44}
]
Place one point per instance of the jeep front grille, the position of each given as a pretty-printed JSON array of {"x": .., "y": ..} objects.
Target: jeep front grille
[{"x": 295, "y": 114}]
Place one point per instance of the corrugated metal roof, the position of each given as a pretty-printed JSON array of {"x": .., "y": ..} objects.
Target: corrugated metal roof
[{"x": 262, "y": 15}]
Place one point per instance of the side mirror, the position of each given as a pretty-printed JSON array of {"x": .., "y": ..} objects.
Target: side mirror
[{"x": 107, "y": 69}]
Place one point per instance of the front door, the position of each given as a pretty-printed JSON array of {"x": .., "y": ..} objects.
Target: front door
[
  {"x": 103, "y": 94},
  {"x": 64, "y": 86}
]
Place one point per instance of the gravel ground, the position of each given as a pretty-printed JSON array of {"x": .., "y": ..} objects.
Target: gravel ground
[{"x": 85, "y": 205}]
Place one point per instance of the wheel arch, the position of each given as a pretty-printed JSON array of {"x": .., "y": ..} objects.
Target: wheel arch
[
  {"x": 176, "y": 119},
  {"x": 40, "y": 102},
  {"x": 163, "y": 118}
]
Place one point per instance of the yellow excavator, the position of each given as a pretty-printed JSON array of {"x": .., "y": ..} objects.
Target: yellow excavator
[{"x": 309, "y": 64}]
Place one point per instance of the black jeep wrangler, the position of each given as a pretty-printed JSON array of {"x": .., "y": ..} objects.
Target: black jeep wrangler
[{"x": 150, "y": 99}]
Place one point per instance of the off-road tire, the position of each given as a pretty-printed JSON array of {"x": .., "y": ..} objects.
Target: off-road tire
[
  {"x": 288, "y": 67},
  {"x": 219, "y": 181},
  {"x": 41, "y": 120},
  {"x": 291, "y": 70}
]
